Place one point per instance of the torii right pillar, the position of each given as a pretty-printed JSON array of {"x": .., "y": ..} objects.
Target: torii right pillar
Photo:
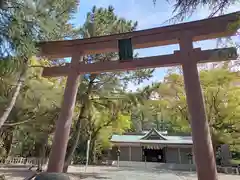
[{"x": 202, "y": 144}]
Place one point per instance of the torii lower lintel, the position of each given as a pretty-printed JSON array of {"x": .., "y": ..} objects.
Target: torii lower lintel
[{"x": 214, "y": 55}]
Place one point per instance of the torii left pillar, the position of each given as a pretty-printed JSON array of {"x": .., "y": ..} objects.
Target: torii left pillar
[{"x": 64, "y": 122}]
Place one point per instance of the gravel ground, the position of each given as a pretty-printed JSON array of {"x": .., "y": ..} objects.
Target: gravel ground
[{"x": 112, "y": 173}]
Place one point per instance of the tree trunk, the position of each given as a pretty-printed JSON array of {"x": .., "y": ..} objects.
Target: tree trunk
[
  {"x": 11, "y": 104},
  {"x": 92, "y": 153},
  {"x": 42, "y": 152},
  {"x": 76, "y": 137},
  {"x": 72, "y": 148},
  {"x": 215, "y": 144},
  {"x": 7, "y": 140},
  {"x": 142, "y": 121}
]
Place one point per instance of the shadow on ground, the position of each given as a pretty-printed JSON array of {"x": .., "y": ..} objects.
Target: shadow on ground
[
  {"x": 16, "y": 173},
  {"x": 24, "y": 173},
  {"x": 147, "y": 169},
  {"x": 132, "y": 169},
  {"x": 88, "y": 175}
]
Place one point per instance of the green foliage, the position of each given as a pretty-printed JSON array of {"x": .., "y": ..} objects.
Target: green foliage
[
  {"x": 104, "y": 105},
  {"x": 101, "y": 22},
  {"x": 35, "y": 111},
  {"x": 185, "y": 8},
  {"x": 23, "y": 23},
  {"x": 221, "y": 95}
]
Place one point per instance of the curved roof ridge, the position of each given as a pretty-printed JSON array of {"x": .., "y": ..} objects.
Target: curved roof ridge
[{"x": 156, "y": 131}]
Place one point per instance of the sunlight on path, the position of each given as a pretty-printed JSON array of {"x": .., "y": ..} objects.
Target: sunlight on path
[{"x": 113, "y": 173}]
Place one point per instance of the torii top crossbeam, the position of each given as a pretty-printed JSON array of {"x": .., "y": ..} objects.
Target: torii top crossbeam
[{"x": 200, "y": 30}]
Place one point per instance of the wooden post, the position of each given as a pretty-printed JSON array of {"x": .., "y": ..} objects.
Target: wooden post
[
  {"x": 130, "y": 153},
  {"x": 202, "y": 144},
  {"x": 59, "y": 146},
  {"x": 118, "y": 156},
  {"x": 145, "y": 160},
  {"x": 118, "y": 159},
  {"x": 179, "y": 156}
]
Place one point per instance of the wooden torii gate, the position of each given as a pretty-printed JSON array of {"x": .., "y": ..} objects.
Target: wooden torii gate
[{"x": 183, "y": 34}]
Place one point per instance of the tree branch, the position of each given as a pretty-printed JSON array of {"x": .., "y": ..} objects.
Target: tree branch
[
  {"x": 94, "y": 134},
  {"x": 183, "y": 113},
  {"x": 18, "y": 123}
]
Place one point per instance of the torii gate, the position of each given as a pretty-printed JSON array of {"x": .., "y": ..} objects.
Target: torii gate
[{"x": 183, "y": 34}]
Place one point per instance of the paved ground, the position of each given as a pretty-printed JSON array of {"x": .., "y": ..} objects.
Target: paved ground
[{"x": 112, "y": 173}]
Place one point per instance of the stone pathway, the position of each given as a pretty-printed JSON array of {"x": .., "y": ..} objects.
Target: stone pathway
[
  {"x": 130, "y": 173},
  {"x": 112, "y": 173}
]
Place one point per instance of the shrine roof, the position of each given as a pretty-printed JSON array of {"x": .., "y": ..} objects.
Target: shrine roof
[{"x": 163, "y": 139}]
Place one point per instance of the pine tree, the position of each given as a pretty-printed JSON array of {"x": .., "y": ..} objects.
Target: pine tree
[
  {"x": 22, "y": 25},
  {"x": 185, "y": 8},
  {"x": 102, "y": 88}
]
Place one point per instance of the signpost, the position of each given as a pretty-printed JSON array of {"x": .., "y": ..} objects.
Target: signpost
[
  {"x": 145, "y": 158},
  {"x": 190, "y": 160},
  {"x": 118, "y": 156}
]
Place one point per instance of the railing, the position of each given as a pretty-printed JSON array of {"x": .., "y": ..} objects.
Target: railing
[
  {"x": 23, "y": 161},
  {"x": 228, "y": 170}
]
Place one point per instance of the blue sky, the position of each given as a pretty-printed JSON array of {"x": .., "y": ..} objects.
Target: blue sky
[{"x": 148, "y": 16}]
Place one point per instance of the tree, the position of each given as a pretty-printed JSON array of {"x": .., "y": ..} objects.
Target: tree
[
  {"x": 33, "y": 117},
  {"x": 221, "y": 95},
  {"x": 103, "y": 89},
  {"x": 185, "y": 8},
  {"x": 157, "y": 110},
  {"x": 23, "y": 23}
]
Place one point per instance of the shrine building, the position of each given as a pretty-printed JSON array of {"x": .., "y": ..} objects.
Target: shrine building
[{"x": 152, "y": 146}]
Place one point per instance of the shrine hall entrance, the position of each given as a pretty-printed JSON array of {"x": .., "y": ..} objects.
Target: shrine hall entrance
[{"x": 154, "y": 155}]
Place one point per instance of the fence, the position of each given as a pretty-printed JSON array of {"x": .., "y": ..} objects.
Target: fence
[
  {"x": 228, "y": 170},
  {"x": 31, "y": 161}
]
